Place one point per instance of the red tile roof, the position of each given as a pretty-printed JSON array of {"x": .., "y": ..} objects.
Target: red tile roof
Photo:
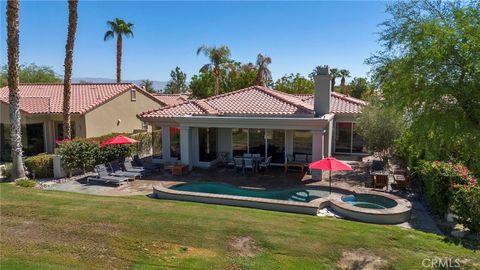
[
  {"x": 171, "y": 99},
  {"x": 255, "y": 101},
  {"x": 340, "y": 103},
  {"x": 48, "y": 98}
]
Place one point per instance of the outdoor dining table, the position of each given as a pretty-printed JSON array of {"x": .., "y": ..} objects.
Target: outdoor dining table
[{"x": 256, "y": 161}]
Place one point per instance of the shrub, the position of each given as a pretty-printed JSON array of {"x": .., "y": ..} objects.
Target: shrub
[
  {"x": 466, "y": 206},
  {"x": 7, "y": 170},
  {"x": 41, "y": 166},
  {"x": 25, "y": 182},
  {"x": 438, "y": 179},
  {"x": 79, "y": 154}
]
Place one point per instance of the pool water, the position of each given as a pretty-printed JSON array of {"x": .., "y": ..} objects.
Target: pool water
[
  {"x": 293, "y": 194},
  {"x": 369, "y": 201}
]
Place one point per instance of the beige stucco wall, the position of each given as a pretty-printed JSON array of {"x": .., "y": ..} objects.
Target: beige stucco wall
[{"x": 104, "y": 119}]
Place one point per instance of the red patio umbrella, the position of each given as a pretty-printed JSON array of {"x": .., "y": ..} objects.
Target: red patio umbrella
[
  {"x": 120, "y": 139},
  {"x": 330, "y": 164}
]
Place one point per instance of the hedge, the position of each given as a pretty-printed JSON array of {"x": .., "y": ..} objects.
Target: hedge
[
  {"x": 40, "y": 166},
  {"x": 451, "y": 187}
]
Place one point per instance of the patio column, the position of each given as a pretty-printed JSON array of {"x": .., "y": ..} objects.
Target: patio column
[
  {"x": 317, "y": 151},
  {"x": 165, "y": 143},
  {"x": 185, "y": 138}
]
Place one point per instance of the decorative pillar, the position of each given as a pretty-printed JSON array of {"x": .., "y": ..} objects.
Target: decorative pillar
[
  {"x": 185, "y": 137},
  {"x": 165, "y": 143},
  {"x": 317, "y": 151}
]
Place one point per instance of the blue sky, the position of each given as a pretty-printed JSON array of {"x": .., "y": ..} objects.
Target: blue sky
[{"x": 297, "y": 35}]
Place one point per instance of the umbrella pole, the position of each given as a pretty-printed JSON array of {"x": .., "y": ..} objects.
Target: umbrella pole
[{"x": 330, "y": 181}]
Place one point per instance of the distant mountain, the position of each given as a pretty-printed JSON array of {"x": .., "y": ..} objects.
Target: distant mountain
[{"x": 157, "y": 85}]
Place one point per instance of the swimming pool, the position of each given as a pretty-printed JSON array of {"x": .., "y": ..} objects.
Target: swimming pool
[
  {"x": 369, "y": 201},
  {"x": 292, "y": 194}
]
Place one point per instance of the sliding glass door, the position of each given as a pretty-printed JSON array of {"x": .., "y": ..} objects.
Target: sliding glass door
[
  {"x": 266, "y": 142},
  {"x": 347, "y": 139}
]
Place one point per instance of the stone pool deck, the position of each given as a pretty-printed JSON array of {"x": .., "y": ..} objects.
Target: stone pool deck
[{"x": 275, "y": 178}]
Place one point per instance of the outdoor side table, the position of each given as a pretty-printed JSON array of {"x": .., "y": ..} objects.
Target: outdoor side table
[{"x": 179, "y": 170}]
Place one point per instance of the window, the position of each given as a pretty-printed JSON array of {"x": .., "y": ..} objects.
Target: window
[
  {"x": 144, "y": 125},
  {"x": 175, "y": 142},
  {"x": 276, "y": 146},
  {"x": 239, "y": 141},
  {"x": 207, "y": 144},
  {"x": 133, "y": 95},
  {"x": 347, "y": 139},
  {"x": 256, "y": 141},
  {"x": 302, "y": 142}
]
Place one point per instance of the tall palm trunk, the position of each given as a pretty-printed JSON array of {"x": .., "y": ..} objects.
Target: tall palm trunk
[
  {"x": 119, "y": 57},
  {"x": 67, "y": 80},
  {"x": 216, "y": 72},
  {"x": 18, "y": 170}
]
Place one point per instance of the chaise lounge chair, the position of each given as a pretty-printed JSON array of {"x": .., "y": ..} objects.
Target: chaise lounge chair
[
  {"x": 117, "y": 171},
  {"x": 127, "y": 164},
  {"x": 148, "y": 166},
  {"x": 104, "y": 177}
]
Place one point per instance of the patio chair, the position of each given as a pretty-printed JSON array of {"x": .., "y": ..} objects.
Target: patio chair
[
  {"x": 104, "y": 177},
  {"x": 117, "y": 171},
  {"x": 266, "y": 164},
  {"x": 248, "y": 164},
  {"x": 129, "y": 168},
  {"x": 380, "y": 181},
  {"x": 223, "y": 157},
  {"x": 377, "y": 165},
  {"x": 256, "y": 155},
  {"x": 149, "y": 167},
  {"x": 245, "y": 155},
  {"x": 238, "y": 164}
]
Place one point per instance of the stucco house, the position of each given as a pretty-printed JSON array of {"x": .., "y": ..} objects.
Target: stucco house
[
  {"x": 259, "y": 120},
  {"x": 97, "y": 109}
]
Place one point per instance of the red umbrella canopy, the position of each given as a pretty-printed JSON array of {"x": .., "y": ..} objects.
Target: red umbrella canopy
[
  {"x": 330, "y": 164},
  {"x": 120, "y": 139}
]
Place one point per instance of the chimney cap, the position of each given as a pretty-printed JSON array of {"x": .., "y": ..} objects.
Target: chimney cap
[{"x": 325, "y": 70}]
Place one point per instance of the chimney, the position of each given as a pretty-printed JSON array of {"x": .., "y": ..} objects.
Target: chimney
[{"x": 323, "y": 82}]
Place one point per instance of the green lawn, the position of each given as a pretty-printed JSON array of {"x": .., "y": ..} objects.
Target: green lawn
[{"x": 59, "y": 230}]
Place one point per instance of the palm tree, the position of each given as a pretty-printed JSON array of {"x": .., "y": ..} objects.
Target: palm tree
[
  {"x": 18, "y": 170},
  {"x": 264, "y": 75},
  {"x": 335, "y": 74},
  {"x": 67, "y": 79},
  {"x": 344, "y": 74},
  {"x": 120, "y": 28},
  {"x": 219, "y": 57}
]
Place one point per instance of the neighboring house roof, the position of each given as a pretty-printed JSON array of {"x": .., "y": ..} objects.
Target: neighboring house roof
[
  {"x": 171, "y": 99},
  {"x": 340, "y": 103},
  {"x": 48, "y": 98},
  {"x": 255, "y": 101}
]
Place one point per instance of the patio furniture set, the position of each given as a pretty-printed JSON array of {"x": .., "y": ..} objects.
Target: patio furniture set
[
  {"x": 252, "y": 162},
  {"x": 382, "y": 177},
  {"x": 298, "y": 161},
  {"x": 116, "y": 172}
]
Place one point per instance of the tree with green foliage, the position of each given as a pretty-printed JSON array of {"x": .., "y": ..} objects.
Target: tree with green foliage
[
  {"x": 147, "y": 85},
  {"x": 361, "y": 88},
  {"x": 177, "y": 83},
  {"x": 203, "y": 85},
  {"x": 294, "y": 84},
  {"x": 380, "y": 126},
  {"x": 31, "y": 73},
  {"x": 430, "y": 68},
  {"x": 119, "y": 28},
  {"x": 239, "y": 76},
  {"x": 219, "y": 58}
]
